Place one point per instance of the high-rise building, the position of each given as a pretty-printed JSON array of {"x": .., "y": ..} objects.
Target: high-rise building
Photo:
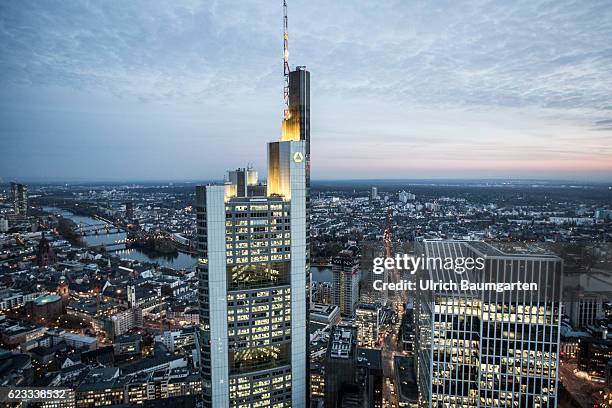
[
  {"x": 254, "y": 282},
  {"x": 374, "y": 194},
  {"x": 254, "y": 269},
  {"x": 129, "y": 210},
  {"x": 296, "y": 127},
  {"x": 367, "y": 320},
  {"x": 488, "y": 348},
  {"x": 19, "y": 194},
  {"x": 345, "y": 285},
  {"x": 367, "y": 292}
]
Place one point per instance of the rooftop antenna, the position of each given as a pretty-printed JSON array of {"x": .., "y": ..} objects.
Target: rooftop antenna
[{"x": 285, "y": 62}]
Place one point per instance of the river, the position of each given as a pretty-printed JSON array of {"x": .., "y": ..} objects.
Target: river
[
  {"x": 180, "y": 261},
  {"x": 321, "y": 274}
]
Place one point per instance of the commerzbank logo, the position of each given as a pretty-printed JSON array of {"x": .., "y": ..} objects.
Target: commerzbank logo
[{"x": 298, "y": 157}]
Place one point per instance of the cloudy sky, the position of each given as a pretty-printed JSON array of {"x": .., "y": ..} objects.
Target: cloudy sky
[{"x": 137, "y": 90}]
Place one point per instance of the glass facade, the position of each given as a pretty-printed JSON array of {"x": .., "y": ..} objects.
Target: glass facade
[
  {"x": 488, "y": 348},
  {"x": 253, "y": 288}
]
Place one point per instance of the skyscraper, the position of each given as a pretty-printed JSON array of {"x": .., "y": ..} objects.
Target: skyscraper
[
  {"x": 253, "y": 287},
  {"x": 19, "y": 193},
  {"x": 488, "y": 348},
  {"x": 296, "y": 126},
  {"x": 374, "y": 194},
  {"x": 254, "y": 269},
  {"x": 367, "y": 293},
  {"x": 345, "y": 285}
]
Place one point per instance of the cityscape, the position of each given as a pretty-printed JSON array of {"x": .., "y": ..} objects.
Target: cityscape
[{"x": 268, "y": 282}]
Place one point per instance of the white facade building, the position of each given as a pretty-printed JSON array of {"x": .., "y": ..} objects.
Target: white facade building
[{"x": 254, "y": 287}]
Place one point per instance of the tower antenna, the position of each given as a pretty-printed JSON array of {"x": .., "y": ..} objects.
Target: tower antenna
[{"x": 285, "y": 62}]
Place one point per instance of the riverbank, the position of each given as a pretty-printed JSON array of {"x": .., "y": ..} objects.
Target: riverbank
[{"x": 117, "y": 241}]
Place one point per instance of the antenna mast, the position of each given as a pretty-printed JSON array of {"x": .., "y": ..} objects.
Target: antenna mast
[{"x": 285, "y": 62}]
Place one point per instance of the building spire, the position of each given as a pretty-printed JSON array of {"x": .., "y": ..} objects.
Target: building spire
[{"x": 285, "y": 62}]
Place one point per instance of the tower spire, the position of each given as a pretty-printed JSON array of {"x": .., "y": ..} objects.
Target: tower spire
[{"x": 285, "y": 62}]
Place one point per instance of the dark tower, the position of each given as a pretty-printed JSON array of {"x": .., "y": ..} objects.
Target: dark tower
[
  {"x": 129, "y": 211},
  {"x": 19, "y": 194},
  {"x": 45, "y": 255}
]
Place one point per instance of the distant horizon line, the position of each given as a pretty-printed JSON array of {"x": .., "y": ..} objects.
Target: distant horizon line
[{"x": 34, "y": 180}]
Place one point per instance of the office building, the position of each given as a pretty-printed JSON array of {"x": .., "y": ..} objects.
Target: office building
[
  {"x": 322, "y": 292},
  {"x": 374, "y": 194},
  {"x": 594, "y": 355},
  {"x": 324, "y": 313},
  {"x": 345, "y": 285},
  {"x": 367, "y": 320},
  {"x": 585, "y": 297},
  {"x": 254, "y": 276},
  {"x": 486, "y": 348},
  {"x": 353, "y": 375},
  {"x": 586, "y": 309},
  {"x": 245, "y": 181},
  {"x": 19, "y": 194},
  {"x": 296, "y": 127},
  {"x": 407, "y": 332},
  {"x": 317, "y": 382},
  {"x": 405, "y": 379},
  {"x": 367, "y": 292}
]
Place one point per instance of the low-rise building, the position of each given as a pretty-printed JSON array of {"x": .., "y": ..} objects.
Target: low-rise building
[{"x": 326, "y": 314}]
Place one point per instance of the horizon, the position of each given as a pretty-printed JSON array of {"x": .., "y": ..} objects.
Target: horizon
[{"x": 457, "y": 180}]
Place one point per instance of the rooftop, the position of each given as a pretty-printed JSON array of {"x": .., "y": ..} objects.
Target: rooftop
[{"x": 42, "y": 300}]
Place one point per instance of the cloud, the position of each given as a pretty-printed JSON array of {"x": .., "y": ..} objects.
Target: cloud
[{"x": 487, "y": 64}]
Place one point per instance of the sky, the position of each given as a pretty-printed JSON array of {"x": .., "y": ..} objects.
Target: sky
[{"x": 183, "y": 90}]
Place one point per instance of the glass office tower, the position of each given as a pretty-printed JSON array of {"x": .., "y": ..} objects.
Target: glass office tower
[
  {"x": 254, "y": 283},
  {"x": 487, "y": 348},
  {"x": 19, "y": 193}
]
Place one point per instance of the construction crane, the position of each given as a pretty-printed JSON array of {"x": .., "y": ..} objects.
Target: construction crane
[{"x": 285, "y": 62}]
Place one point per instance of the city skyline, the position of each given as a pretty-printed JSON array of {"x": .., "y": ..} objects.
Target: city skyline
[
  {"x": 418, "y": 91},
  {"x": 451, "y": 247}
]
